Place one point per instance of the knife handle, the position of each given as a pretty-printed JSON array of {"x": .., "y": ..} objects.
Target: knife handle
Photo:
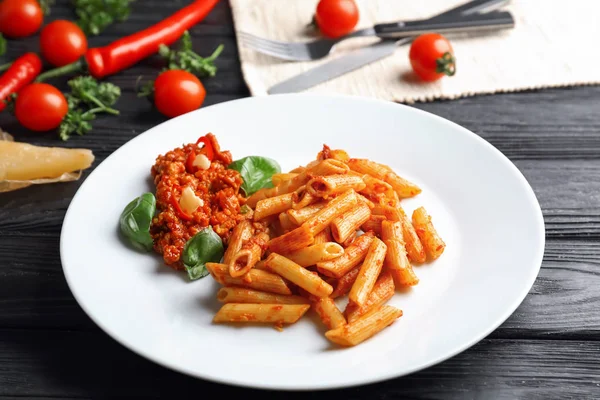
[{"x": 491, "y": 20}]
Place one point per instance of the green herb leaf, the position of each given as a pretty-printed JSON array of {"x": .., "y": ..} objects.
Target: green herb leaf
[
  {"x": 2, "y": 45},
  {"x": 45, "y": 6},
  {"x": 205, "y": 246},
  {"x": 96, "y": 15},
  {"x": 186, "y": 59},
  {"x": 135, "y": 221},
  {"x": 256, "y": 172}
]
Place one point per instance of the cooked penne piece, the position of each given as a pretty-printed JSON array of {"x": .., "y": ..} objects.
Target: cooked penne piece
[
  {"x": 293, "y": 272},
  {"x": 433, "y": 243},
  {"x": 362, "y": 198},
  {"x": 337, "y": 154},
  {"x": 365, "y": 326},
  {"x": 276, "y": 179},
  {"x": 324, "y": 236},
  {"x": 382, "y": 292},
  {"x": 373, "y": 224},
  {"x": 272, "y": 205},
  {"x": 292, "y": 241},
  {"x": 327, "y": 186},
  {"x": 256, "y": 197},
  {"x": 335, "y": 207},
  {"x": 396, "y": 260},
  {"x": 329, "y": 167},
  {"x": 349, "y": 240},
  {"x": 414, "y": 247},
  {"x": 389, "y": 212},
  {"x": 255, "y": 279},
  {"x": 240, "y": 234},
  {"x": 368, "y": 167},
  {"x": 251, "y": 253},
  {"x": 344, "y": 284},
  {"x": 316, "y": 253},
  {"x": 300, "y": 216},
  {"x": 264, "y": 313},
  {"x": 352, "y": 256},
  {"x": 377, "y": 187},
  {"x": 285, "y": 222},
  {"x": 302, "y": 198},
  {"x": 331, "y": 316},
  {"x": 369, "y": 272},
  {"x": 241, "y": 295},
  {"x": 401, "y": 186},
  {"x": 298, "y": 170},
  {"x": 346, "y": 224},
  {"x": 325, "y": 167}
]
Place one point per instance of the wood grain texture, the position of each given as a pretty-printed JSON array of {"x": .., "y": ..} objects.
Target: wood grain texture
[
  {"x": 35, "y": 364},
  {"x": 547, "y": 349}
]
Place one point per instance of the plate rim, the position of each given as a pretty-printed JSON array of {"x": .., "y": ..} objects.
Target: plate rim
[{"x": 388, "y": 375}]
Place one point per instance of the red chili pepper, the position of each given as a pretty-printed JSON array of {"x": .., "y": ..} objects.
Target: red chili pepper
[
  {"x": 209, "y": 151},
  {"x": 21, "y": 73},
  {"x": 178, "y": 209},
  {"x": 189, "y": 163},
  {"x": 125, "y": 52}
]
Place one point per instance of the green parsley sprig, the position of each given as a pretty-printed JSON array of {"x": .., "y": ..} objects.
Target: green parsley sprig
[
  {"x": 96, "y": 15},
  {"x": 2, "y": 45},
  {"x": 45, "y": 6},
  {"x": 88, "y": 98}
]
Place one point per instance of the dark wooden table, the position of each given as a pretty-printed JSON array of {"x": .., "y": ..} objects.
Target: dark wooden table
[{"x": 549, "y": 348}]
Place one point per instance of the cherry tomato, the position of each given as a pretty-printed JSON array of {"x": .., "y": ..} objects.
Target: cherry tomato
[
  {"x": 177, "y": 92},
  {"x": 432, "y": 57},
  {"x": 40, "y": 107},
  {"x": 20, "y": 18},
  {"x": 336, "y": 18},
  {"x": 62, "y": 42}
]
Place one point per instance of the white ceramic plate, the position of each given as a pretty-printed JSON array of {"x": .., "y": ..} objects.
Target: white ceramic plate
[{"x": 482, "y": 206}]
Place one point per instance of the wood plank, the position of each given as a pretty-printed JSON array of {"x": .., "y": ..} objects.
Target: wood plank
[{"x": 76, "y": 364}]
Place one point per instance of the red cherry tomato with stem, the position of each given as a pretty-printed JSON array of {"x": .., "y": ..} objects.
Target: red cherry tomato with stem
[
  {"x": 62, "y": 42},
  {"x": 40, "y": 107},
  {"x": 177, "y": 92},
  {"x": 432, "y": 57},
  {"x": 336, "y": 18},
  {"x": 20, "y": 18}
]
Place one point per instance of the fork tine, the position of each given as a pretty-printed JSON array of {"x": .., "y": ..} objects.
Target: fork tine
[
  {"x": 283, "y": 50},
  {"x": 265, "y": 43},
  {"x": 251, "y": 36}
]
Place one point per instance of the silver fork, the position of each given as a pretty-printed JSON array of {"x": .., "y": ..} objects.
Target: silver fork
[{"x": 315, "y": 50}]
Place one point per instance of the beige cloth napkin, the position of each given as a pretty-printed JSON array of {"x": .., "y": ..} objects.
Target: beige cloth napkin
[{"x": 553, "y": 44}]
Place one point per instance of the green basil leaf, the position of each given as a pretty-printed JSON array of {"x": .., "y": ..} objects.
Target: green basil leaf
[
  {"x": 256, "y": 172},
  {"x": 205, "y": 246},
  {"x": 135, "y": 221}
]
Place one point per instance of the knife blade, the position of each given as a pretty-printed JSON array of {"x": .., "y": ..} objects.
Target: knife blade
[{"x": 368, "y": 54}]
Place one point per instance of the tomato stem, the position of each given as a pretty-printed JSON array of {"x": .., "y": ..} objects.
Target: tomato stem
[
  {"x": 4, "y": 67},
  {"x": 77, "y": 66},
  {"x": 446, "y": 64}
]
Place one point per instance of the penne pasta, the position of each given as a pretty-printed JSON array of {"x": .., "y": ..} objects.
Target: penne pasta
[
  {"x": 433, "y": 243},
  {"x": 414, "y": 247},
  {"x": 396, "y": 260},
  {"x": 256, "y": 197},
  {"x": 375, "y": 186},
  {"x": 363, "y": 199},
  {"x": 335, "y": 207},
  {"x": 373, "y": 224},
  {"x": 273, "y": 205},
  {"x": 251, "y": 253},
  {"x": 255, "y": 279},
  {"x": 382, "y": 291},
  {"x": 329, "y": 167},
  {"x": 294, "y": 240},
  {"x": 276, "y": 179},
  {"x": 364, "y": 327},
  {"x": 353, "y": 255},
  {"x": 368, "y": 167},
  {"x": 330, "y": 185},
  {"x": 324, "y": 236},
  {"x": 345, "y": 225},
  {"x": 302, "y": 198},
  {"x": 300, "y": 216},
  {"x": 240, "y": 234},
  {"x": 389, "y": 212},
  {"x": 344, "y": 284},
  {"x": 263, "y": 313},
  {"x": 285, "y": 223},
  {"x": 293, "y": 272},
  {"x": 401, "y": 186},
  {"x": 331, "y": 316},
  {"x": 327, "y": 153},
  {"x": 242, "y": 295},
  {"x": 316, "y": 253},
  {"x": 298, "y": 170},
  {"x": 369, "y": 272}
]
